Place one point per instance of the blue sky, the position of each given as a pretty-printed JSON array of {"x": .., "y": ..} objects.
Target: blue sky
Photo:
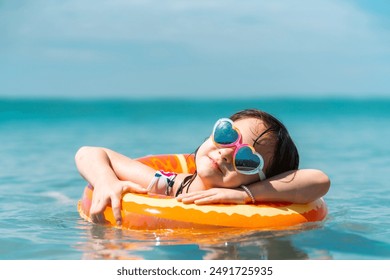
[{"x": 196, "y": 48}]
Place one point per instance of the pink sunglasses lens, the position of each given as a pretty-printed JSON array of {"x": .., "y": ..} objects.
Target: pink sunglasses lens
[
  {"x": 224, "y": 133},
  {"x": 246, "y": 161}
]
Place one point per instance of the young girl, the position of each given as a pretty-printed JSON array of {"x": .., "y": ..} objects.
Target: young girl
[{"x": 247, "y": 158}]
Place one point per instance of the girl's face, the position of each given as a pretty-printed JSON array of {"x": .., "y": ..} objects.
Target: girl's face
[{"x": 215, "y": 166}]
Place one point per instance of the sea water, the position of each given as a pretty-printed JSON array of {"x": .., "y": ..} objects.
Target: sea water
[{"x": 39, "y": 184}]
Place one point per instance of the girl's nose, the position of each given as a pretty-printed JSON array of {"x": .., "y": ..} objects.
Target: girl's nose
[{"x": 227, "y": 154}]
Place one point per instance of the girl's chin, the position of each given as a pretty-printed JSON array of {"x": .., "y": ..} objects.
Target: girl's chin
[{"x": 208, "y": 178}]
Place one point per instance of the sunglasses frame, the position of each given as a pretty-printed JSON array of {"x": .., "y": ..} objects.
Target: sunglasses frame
[{"x": 237, "y": 144}]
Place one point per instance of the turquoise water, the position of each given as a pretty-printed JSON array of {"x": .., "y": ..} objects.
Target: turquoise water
[{"x": 40, "y": 186}]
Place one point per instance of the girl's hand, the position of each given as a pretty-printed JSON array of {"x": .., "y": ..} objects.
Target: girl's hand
[
  {"x": 104, "y": 196},
  {"x": 214, "y": 196}
]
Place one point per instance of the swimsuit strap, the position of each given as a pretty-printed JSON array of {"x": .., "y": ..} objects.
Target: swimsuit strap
[{"x": 186, "y": 183}]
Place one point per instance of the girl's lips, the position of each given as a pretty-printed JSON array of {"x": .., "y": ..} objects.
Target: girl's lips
[{"x": 215, "y": 164}]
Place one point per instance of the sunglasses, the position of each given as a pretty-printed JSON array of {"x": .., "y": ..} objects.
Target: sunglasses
[{"x": 245, "y": 159}]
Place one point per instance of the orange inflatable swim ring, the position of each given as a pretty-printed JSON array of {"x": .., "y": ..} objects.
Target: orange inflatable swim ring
[{"x": 161, "y": 212}]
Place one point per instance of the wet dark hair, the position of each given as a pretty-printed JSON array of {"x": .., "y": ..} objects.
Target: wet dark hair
[{"x": 285, "y": 156}]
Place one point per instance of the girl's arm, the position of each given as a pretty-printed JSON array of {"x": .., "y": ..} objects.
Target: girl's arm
[
  {"x": 111, "y": 174},
  {"x": 297, "y": 186}
]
